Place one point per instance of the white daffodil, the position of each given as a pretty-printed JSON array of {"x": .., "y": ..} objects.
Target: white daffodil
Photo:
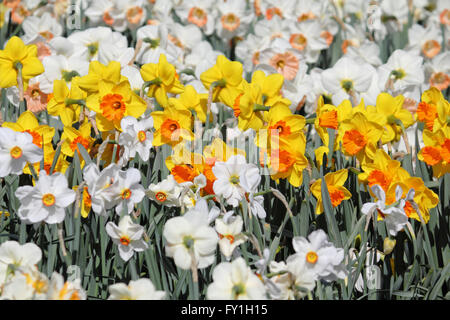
[
  {"x": 16, "y": 149},
  {"x": 320, "y": 256},
  {"x": 44, "y": 25},
  {"x": 46, "y": 201},
  {"x": 128, "y": 236},
  {"x": 198, "y": 12},
  {"x": 234, "y": 178},
  {"x": 136, "y": 137},
  {"x": 230, "y": 234},
  {"x": 281, "y": 56},
  {"x": 437, "y": 71},
  {"x": 306, "y": 37},
  {"x": 233, "y": 19},
  {"x": 190, "y": 237},
  {"x": 98, "y": 183},
  {"x": 27, "y": 283},
  {"x": 126, "y": 190},
  {"x": 103, "y": 45},
  {"x": 201, "y": 58},
  {"x": 347, "y": 79},
  {"x": 14, "y": 255},
  {"x": 292, "y": 280},
  {"x": 61, "y": 68},
  {"x": 141, "y": 289},
  {"x": 167, "y": 192},
  {"x": 403, "y": 72},
  {"x": 235, "y": 281},
  {"x": 394, "y": 215},
  {"x": 426, "y": 41},
  {"x": 58, "y": 289}
]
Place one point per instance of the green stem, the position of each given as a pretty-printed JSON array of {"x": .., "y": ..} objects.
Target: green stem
[
  {"x": 69, "y": 101},
  {"x": 259, "y": 107}
]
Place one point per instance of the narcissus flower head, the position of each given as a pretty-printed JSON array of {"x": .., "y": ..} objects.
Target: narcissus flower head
[
  {"x": 163, "y": 78},
  {"x": 226, "y": 76},
  {"x": 18, "y": 56},
  {"x": 335, "y": 185}
]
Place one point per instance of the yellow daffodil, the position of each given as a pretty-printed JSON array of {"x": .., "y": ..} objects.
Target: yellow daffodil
[
  {"x": 326, "y": 118},
  {"x": 18, "y": 56},
  {"x": 86, "y": 201},
  {"x": 391, "y": 113},
  {"x": 335, "y": 185},
  {"x": 433, "y": 110},
  {"x": 383, "y": 171},
  {"x": 226, "y": 76},
  {"x": 192, "y": 100},
  {"x": 270, "y": 88},
  {"x": 62, "y": 102},
  {"x": 436, "y": 152},
  {"x": 162, "y": 78},
  {"x": 425, "y": 198},
  {"x": 112, "y": 102},
  {"x": 99, "y": 72},
  {"x": 245, "y": 107},
  {"x": 281, "y": 123},
  {"x": 360, "y": 137},
  {"x": 49, "y": 154},
  {"x": 287, "y": 160},
  {"x": 72, "y": 137},
  {"x": 172, "y": 125},
  {"x": 27, "y": 122}
]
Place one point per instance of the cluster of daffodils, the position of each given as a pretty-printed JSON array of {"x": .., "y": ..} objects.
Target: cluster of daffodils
[{"x": 182, "y": 132}]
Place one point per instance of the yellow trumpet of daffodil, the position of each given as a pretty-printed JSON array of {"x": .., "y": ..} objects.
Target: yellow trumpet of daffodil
[
  {"x": 18, "y": 57},
  {"x": 172, "y": 125},
  {"x": 390, "y": 113},
  {"x": 226, "y": 78},
  {"x": 161, "y": 78},
  {"x": 114, "y": 101},
  {"x": 27, "y": 122},
  {"x": 335, "y": 185},
  {"x": 436, "y": 152},
  {"x": 360, "y": 137},
  {"x": 86, "y": 201},
  {"x": 66, "y": 102}
]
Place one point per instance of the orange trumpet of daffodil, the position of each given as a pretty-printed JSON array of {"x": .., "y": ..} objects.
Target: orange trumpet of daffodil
[
  {"x": 359, "y": 137},
  {"x": 436, "y": 152},
  {"x": 172, "y": 125},
  {"x": 335, "y": 185}
]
